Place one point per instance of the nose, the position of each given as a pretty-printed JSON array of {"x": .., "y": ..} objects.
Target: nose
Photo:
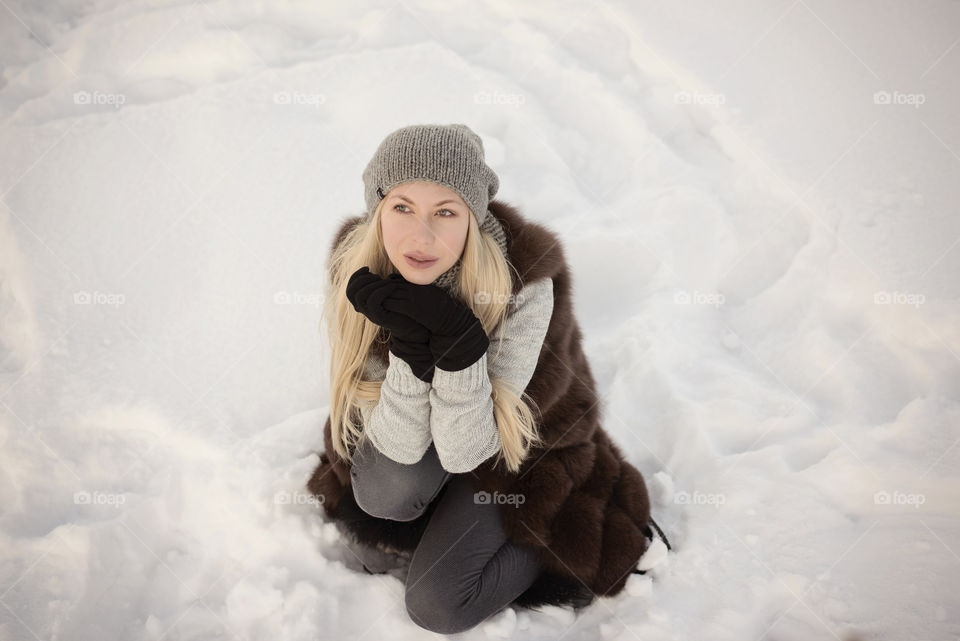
[{"x": 423, "y": 232}]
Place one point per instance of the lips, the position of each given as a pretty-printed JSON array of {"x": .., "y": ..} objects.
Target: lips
[
  {"x": 421, "y": 257},
  {"x": 414, "y": 262}
]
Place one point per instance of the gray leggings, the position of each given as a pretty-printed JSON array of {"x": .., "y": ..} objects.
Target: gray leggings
[{"x": 463, "y": 570}]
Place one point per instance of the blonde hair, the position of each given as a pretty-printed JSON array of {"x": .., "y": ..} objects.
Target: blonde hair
[{"x": 484, "y": 286}]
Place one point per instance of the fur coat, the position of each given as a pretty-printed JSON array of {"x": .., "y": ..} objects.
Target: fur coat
[{"x": 586, "y": 510}]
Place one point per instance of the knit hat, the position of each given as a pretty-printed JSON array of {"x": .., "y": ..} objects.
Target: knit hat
[{"x": 449, "y": 155}]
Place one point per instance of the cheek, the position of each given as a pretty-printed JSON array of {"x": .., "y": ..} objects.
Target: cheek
[
  {"x": 456, "y": 240},
  {"x": 389, "y": 233}
]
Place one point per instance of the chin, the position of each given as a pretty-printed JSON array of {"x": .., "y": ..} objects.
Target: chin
[
  {"x": 417, "y": 276},
  {"x": 421, "y": 278}
]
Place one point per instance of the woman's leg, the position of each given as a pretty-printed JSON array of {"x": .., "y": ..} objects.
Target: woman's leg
[
  {"x": 464, "y": 570},
  {"x": 390, "y": 490},
  {"x": 373, "y": 558}
]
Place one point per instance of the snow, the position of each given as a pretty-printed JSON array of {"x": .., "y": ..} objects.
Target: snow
[{"x": 764, "y": 254}]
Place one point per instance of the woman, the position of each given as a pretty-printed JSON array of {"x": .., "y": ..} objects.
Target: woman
[{"x": 464, "y": 424}]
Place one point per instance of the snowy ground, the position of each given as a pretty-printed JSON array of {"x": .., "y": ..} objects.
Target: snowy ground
[{"x": 784, "y": 371}]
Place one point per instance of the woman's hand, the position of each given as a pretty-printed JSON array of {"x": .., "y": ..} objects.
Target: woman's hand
[
  {"x": 409, "y": 340},
  {"x": 457, "y": 338}
]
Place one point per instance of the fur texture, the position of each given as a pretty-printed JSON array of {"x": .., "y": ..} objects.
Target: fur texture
[{"x": 585, "y": 508}]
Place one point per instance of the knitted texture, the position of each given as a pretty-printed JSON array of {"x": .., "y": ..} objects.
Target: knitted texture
[
  {"x": 449, "y": 155},
  {"x": 456, "y": 410}
]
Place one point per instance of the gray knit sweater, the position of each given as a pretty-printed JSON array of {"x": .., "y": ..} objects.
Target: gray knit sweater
[{"x": 455, "y": 411}]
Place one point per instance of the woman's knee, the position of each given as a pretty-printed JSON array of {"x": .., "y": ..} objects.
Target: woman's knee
[
  {"x": 388, "y": 500},
  {"x": 437, "y": 609},
  {"x": 389, "y": 490}
]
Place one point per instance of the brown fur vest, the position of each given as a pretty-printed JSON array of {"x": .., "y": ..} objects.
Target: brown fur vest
[{"x": 585, "y": 509}]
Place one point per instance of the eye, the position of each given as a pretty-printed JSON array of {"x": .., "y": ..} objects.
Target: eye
[{"x": 450, "y": 214}]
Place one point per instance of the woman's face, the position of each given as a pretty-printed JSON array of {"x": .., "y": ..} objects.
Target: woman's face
[{"x": 423, "y": 220}]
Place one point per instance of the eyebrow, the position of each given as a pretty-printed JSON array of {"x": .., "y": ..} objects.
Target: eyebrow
[{"x": 442, "y": 202}]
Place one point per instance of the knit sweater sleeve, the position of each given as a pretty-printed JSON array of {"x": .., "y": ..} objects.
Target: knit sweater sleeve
[
  {"x": 462, "y": 423},
  {"x": 399, "y": 424}
]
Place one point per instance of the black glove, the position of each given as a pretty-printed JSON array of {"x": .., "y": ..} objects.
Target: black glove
[
  {"x": 409, "y": 340},
  {"x": 413, "y": 347},
  {"x": 457, "y": 337}
]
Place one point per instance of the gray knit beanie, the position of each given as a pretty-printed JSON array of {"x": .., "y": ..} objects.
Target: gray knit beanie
[{"x": 449, "y": 155}]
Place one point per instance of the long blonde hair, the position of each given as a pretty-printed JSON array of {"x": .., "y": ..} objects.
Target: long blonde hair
[{"x": 484, "y": 286}]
